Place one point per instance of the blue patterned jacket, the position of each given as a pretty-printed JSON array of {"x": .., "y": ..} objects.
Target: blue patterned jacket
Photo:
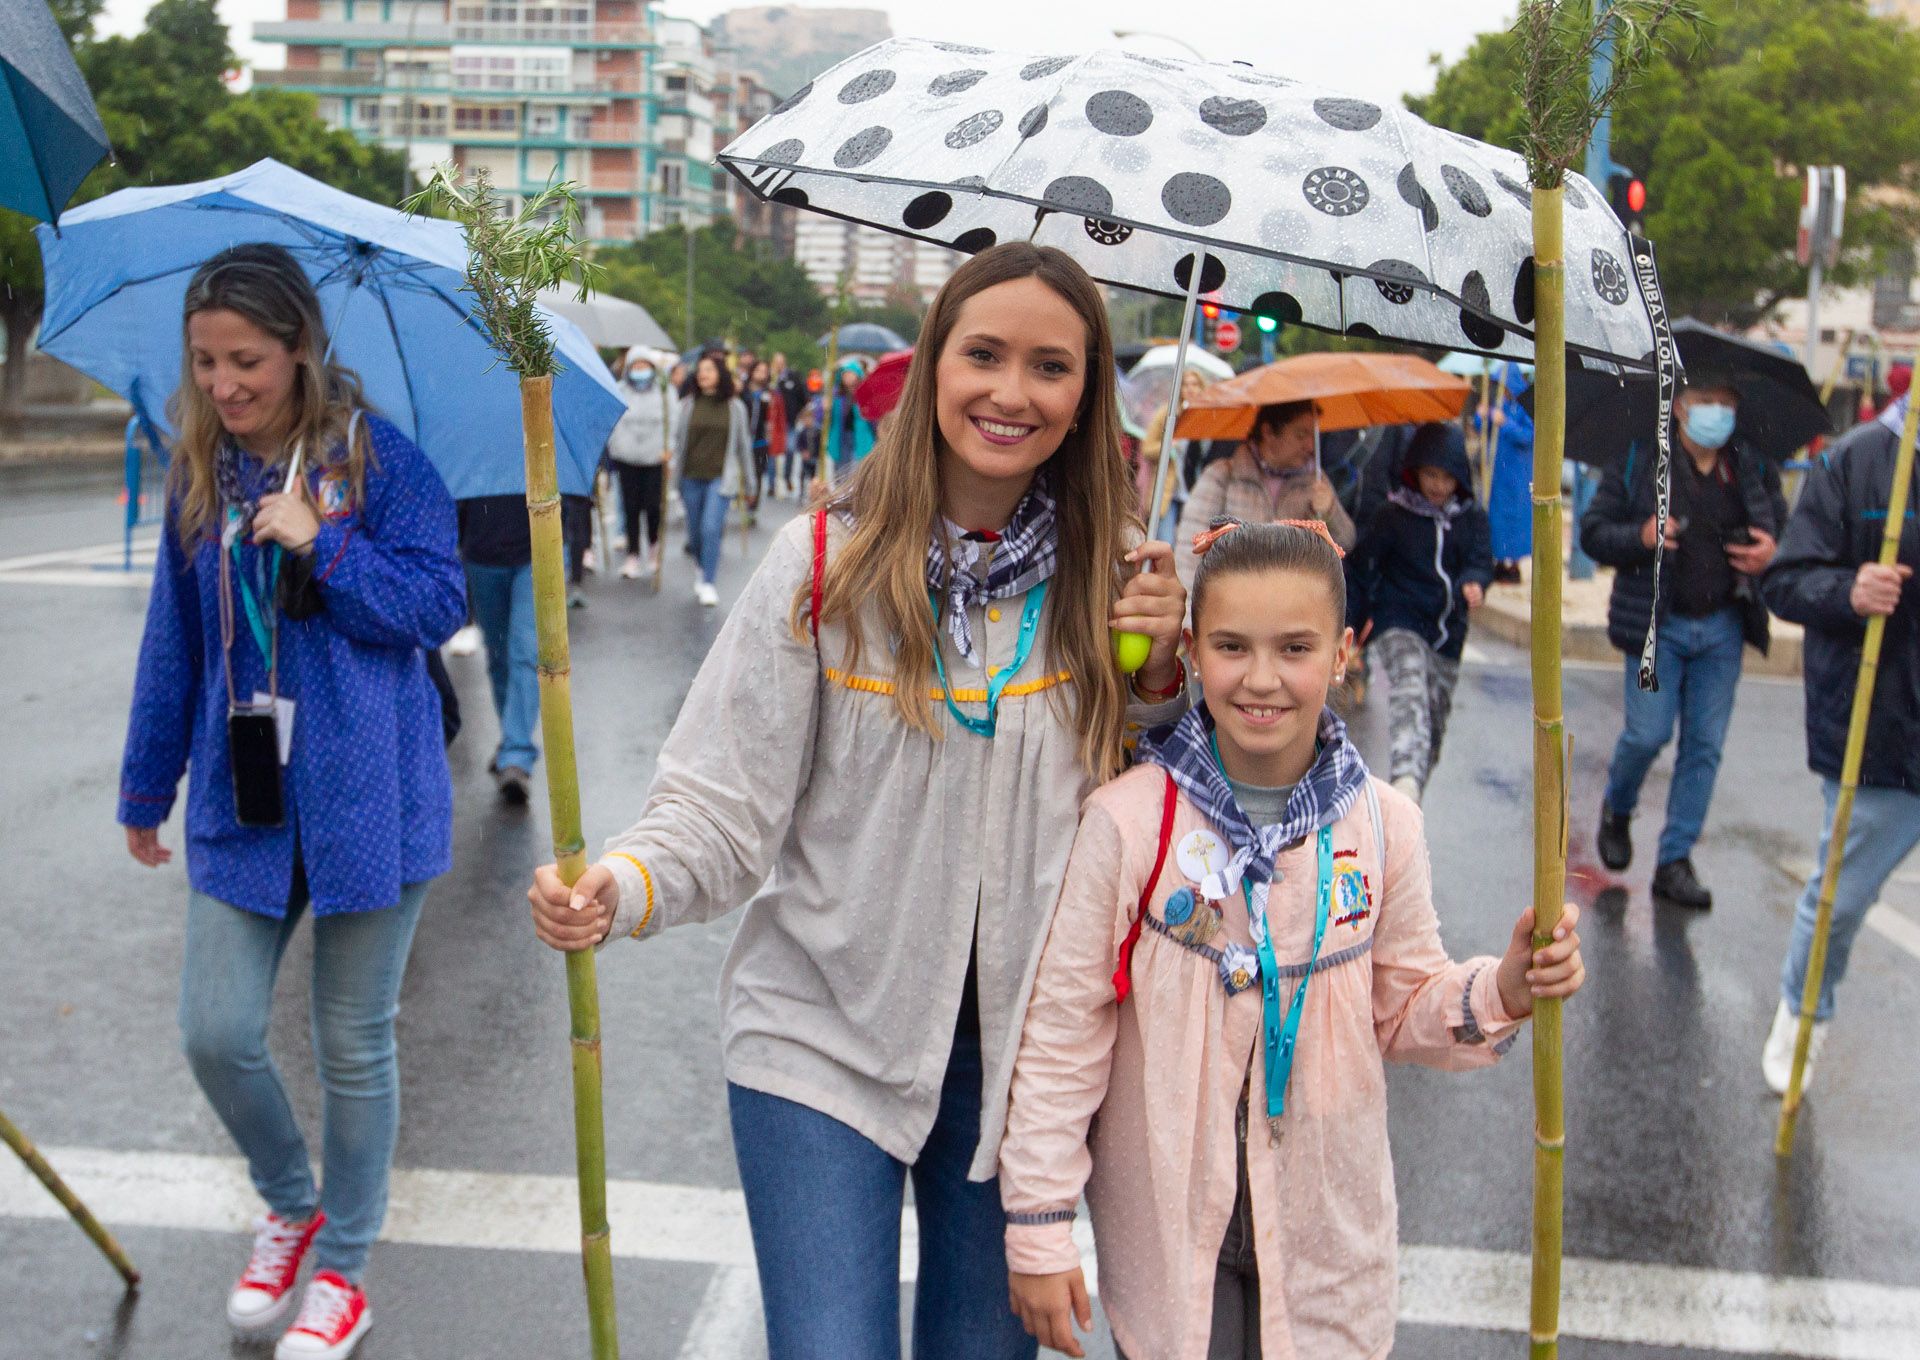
[{"x": 369, "y": 802}]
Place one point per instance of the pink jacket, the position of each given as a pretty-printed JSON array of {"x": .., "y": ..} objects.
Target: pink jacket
[{"x": 1134, "y": 1103}]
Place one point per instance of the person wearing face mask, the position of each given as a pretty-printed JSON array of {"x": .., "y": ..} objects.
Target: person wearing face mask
[
  {"x": 1727, "y": 509},
  {"x": 638, "y": 448},
  {"x": 1275, "y": 475}
]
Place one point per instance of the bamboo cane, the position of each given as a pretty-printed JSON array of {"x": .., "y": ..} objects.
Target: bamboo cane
[
  {"x": 1849, "y": 783},
  {"x": 569, "y": 851},
  {"x": 666, "y": 475},
  {"x": 823, "y": 466},
  {"x": 23, "y": 1146},
  {"x": 1549, "y": 753}
]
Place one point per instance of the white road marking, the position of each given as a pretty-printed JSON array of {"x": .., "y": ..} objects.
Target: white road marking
[
  {"x": 101, "y": 565},
  {"x": 1721, "y": 1311},
  {"x": 1897, "y": 928}
]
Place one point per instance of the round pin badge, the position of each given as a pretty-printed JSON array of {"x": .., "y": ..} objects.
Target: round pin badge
[
  {"x": 1202, "y": 853},
  {"x": 1178, "y": 907}
]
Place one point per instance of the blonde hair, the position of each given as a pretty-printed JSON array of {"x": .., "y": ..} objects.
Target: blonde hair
[
  {"x": 894, "y": 499},
  {"x": 264, "y": 284}
]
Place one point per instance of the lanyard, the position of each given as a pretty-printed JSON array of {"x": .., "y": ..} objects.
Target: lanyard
[
  {"x": 996, "y": 680},
  {"x": 263, "y": 618},
  {"x": 1281, "y": 1036}
]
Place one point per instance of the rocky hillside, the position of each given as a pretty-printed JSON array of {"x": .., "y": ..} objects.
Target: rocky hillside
[{"x": 788, "y": 44}]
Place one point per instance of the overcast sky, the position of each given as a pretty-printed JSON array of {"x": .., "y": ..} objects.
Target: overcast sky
[{"x": 1378, "y": 48}]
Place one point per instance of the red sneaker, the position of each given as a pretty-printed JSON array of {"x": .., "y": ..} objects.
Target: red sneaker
[
  {"x": 265, "y": 1288},
  {"x": 333, "y": 1318}
]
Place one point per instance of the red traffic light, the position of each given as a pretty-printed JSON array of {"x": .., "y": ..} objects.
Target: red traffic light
[
  {"x": 1637, "y": 195},
  {"x": 1211, "y": 310}
]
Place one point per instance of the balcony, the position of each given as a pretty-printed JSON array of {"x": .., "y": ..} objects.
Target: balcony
[
  {"x": 496, "y": 86},
  {"x": 337, "y": 33},
  {"x": 314, "y": 78}
]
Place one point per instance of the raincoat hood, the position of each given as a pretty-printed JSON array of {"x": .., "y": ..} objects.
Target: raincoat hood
[{"x": 1443, "y": 447}]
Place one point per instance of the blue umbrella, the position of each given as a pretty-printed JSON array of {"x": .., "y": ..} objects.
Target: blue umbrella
[
  {"x": 867, "y": 337},
  {"x": 50, "y": 132},
  {"x": 389, "y": 290}
]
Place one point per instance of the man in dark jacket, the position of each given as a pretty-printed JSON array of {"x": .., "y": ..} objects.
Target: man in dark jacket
[
  {"x": 1423, "y": 561},
  {"x": 1827, "y": 577},
  {"x": 1726, "y": 511}
]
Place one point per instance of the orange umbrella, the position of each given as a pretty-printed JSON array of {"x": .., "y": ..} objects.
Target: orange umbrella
[{"x": 1348, "y": 392}]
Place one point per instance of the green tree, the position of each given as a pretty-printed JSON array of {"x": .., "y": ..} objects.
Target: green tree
[
  {"x": 163, "y": 97},
  {"x": 742, "y": 291},
  {"x": 1720, "y": 133}
]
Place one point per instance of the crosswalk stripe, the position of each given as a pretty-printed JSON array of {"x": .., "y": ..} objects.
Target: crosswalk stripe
[
  {"x": 1897, "y": 929},
  {"x": 1722, "y": 1311}
]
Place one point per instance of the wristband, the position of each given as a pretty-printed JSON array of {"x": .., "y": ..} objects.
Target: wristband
[{"x": 1160, "y": 696}]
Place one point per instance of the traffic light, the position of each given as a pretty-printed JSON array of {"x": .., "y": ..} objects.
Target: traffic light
[
  {"x": 1627, "y": 193},
  {"x": 1267, "y": 324},
  {"x": 1210, "y": 310}
]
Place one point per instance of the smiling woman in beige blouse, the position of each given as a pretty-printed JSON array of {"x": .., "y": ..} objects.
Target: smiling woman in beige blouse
[{"x": 886, "y": 752}]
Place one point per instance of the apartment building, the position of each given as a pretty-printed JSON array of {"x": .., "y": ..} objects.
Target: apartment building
[
  {"x": 628, "y": 103},
  {"x": 877, "y": 264}
]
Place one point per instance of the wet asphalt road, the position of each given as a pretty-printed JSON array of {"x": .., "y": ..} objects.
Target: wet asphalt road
[{"x": 1669, "y": 1158}]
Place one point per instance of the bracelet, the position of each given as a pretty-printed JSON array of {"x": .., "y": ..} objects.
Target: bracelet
[{"x": 1162, "y": 695}]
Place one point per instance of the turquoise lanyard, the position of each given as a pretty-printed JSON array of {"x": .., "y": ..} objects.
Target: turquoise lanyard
[
  {"x": 996, "y": 680},
  {"x": 1282, "y": 1037},
  {"x": 257, "y": 617}
]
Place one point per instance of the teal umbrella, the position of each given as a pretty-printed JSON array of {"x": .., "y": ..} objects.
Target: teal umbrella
[{"x": 50, "y": 132}]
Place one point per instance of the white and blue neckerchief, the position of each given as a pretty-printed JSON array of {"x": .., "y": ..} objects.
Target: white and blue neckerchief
[{"x": 1023, "y": 556}]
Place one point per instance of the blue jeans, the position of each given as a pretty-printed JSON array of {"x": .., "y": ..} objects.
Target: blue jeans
[
  {"x": 502, "y": 602},
  {"x": 1699, "y": 675},
  {"x": 1884, "y": 828},
  {"x": 706, "y": 521},
  {"x": 824, "y": 1204},
  {"x": 226, "y": 994}
]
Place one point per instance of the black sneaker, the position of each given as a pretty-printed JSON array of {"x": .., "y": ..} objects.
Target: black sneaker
[
  {"x": 1615, "y": 841},
  {"x": 512, "y": 781},
  {"x": 1676, "y": 885}
]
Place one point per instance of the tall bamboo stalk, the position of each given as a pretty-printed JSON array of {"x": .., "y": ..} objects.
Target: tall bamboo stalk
[
  {"x": 509, "y": 261},
  {"x": 23, "y": 1146},
  {"x": 1849, "y": 783},
  {"x": 569, "y": 851},
  {"x": 1549, "y": 752}
]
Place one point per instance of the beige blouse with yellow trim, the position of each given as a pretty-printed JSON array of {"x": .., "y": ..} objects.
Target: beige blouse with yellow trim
[{"x": 875, "y": 857}]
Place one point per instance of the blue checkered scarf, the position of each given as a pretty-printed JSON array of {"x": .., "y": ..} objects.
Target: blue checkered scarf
[{"x": 1024, "y": 557}]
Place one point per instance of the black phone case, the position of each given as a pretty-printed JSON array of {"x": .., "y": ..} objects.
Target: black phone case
[{"x": 253, "y": 748}]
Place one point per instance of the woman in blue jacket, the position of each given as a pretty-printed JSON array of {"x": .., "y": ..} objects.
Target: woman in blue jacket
[{"x": 307, "y": 561}]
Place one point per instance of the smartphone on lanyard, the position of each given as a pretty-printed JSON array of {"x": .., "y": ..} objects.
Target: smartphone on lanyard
[{"x": 253, "y": 749}]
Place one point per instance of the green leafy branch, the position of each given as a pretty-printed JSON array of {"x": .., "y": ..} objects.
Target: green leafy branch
[
  {"x": 510, "y": 258},
  {"x": 1560, "y": 39}
]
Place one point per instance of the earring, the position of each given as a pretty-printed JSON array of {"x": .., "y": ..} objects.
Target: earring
[{"x": 1073, "y": 427}]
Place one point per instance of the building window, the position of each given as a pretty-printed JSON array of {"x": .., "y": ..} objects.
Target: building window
[
  {"x": 671, "y": 180},
  {"x": 676, "y": 84}
]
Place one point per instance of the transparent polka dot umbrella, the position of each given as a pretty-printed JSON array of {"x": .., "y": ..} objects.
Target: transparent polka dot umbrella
[{"x": 1296, "y": 202}]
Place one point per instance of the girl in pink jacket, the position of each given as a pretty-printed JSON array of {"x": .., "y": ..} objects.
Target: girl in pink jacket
[{"x": 1220, "y": 1098}]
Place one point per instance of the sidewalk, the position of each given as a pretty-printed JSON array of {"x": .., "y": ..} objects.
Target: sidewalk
[{"x": 1508, "y": 615}]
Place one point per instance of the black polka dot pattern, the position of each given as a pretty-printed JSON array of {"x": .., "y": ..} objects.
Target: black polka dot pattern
[
  {"x": 1391, "y": 286},
  {"x": 928, "y": 210},
  {"x": 1119, "y": 113},
  {"x": 862, "y": 147},
  {"x": 1157, "y": 63},
  {"x": 1195, "y": 200},
  {"x": 1282, "y": 307},
  {"x": 1414, "y": 194},
  {"x": 1466, "y": 191},
  {"x": 792, "y": 197},
  {"x": 1518, "y": 188},
  {"x": 1033, "y": 120},
  {"x": 867, "y": 85},
  {"x": 1523, "y": 292},
  {"x": 1107, "y": 233},
  {"x": 1213, "y": 273},
  {"x": 1336, "y": 191},
  {"x": 1234, "y": 117},
  {"x": 1360, "y": 330},
  {"x": 792, "y": 101},
  {"x": 956, "y": 83},
  {"x": 1577, "y": 198},
  {"x": 1349, "y": 115},
  {"x": 788, "y": 152},
  {"x": 975, "y": 127},
  {"x": 975, "y": 241},
  {"x": 1078, "y": 194},
  {"x": 1474, "y": 322},
  {"x": 963, "y": 50},
  {"x": 1610, "y": 277},
  {"x": 1046, "y": 66}
]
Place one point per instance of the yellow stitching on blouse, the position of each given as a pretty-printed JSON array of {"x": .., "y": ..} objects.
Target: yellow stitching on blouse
[
  {"x": 646, "y": 878},
  {"x": 866, "y": 685}
]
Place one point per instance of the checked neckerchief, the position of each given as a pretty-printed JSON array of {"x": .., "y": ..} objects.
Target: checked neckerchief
[
  {"x": 1335, "y": 781},
  {"x": 1023, "y": 557}
]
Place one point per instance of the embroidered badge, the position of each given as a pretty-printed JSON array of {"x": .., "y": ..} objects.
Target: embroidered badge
[
  {"x": 1199, "y": 923},
  {"x": 332, "y": 494},
  {"x": 1352, "y": 892}
]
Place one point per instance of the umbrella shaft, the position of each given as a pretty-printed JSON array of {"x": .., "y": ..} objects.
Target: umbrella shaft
[{"x": 1173, "y": 399}]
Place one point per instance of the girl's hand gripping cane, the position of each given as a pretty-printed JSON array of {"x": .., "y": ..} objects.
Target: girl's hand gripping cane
[{"x": 1147, "y": 618}]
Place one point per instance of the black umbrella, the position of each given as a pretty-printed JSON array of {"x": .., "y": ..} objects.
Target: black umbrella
[{"x": 1780, "y": 410}]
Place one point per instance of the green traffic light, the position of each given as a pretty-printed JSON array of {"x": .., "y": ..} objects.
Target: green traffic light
[{"x": 1267, "y": 324}]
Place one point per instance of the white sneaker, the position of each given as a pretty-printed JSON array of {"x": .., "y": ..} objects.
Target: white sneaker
[
  {"x": 1408, "y": 785},
  {"x": 1776, "y": 1060},
  {"x": 706, "y": 594},
  {"x": 588, "y": 562},
  {"x": 630, "y": 569},
  {"x": 465, "y": 642}
]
